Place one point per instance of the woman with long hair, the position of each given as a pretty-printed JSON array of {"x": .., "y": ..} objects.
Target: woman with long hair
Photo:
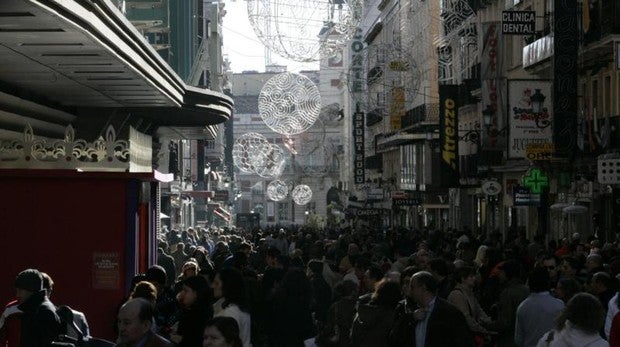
[
  {"x": 229, "y": 290},
  {"x": 195, "y": 301},
  {"x": 373, "y": 322}
]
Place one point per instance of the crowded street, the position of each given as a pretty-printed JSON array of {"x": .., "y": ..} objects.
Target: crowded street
[{"x": 312, "y": 173}]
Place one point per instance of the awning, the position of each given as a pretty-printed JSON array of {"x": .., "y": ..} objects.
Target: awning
[
  {"x": 198, "y": 193},
  {"x": 219, "y": 213},
  {"x": 86, "y": 55}
]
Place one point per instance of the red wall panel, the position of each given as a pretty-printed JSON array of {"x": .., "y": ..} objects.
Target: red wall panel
[{"x": 57, "y": 224}]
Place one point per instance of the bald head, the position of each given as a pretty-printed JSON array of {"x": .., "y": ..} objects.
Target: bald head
[{"x": 134, "y": 320}]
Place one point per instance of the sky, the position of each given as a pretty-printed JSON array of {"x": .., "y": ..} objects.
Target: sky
[{"x": 243, "y": 48}]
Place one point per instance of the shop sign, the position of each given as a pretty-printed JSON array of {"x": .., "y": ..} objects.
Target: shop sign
[
  {"x": 538, "y": 151},
  {"x": 523, "y": 197},
  {"x": 407, "y": 202},
  {"x": 375, "y": 194},
  {"x": 359, "y": 172},
  {"x": 518, "y": 22},
  {"x": 448, "y": 135},
  {"x": 368, "y": 212},
  {"x": 526, "y": 126},
  {"x": 220, "y": 195},
  {"x": 536, "y": 181},
  {"x": 491, "y": 188}
]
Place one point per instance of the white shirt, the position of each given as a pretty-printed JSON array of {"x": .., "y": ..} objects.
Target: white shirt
[
  {"x": 242, "y": 318},
  {"x": 612, "y": 309}
]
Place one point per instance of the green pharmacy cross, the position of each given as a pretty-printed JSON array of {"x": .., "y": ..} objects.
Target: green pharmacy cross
[{"x": 536, "y": 181}]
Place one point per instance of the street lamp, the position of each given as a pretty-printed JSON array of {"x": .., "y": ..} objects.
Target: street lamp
[
  {"x": 539, "y": 111},
  {"x": 487, "y": 116}
]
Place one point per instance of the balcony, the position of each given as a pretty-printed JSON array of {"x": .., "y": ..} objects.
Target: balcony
[{"x": 420, "y": 115}]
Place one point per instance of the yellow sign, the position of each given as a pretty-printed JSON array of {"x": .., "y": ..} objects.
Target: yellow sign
[
  {"x": 397, "y": 107},
  {"x": 539, "y": 151}
]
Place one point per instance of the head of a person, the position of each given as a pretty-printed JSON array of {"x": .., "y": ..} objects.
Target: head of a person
[
  {"x": 345, "y": 289},
  {"x": 538, "y": 280},
  {"x": 422, "y": 287},
  {"x": 156, "y": 274},
  {"x": 145, "y": 290},
  {"x": 466, "y": 276},
  {"x": 222, "y": 332},
  {"x": 246, "y": 248},
  {"x": 601, "y": 282},
  {"x": 229, "y": 284},
  {"x": 194, "y": 292},
  {"x": 593, "y": 262},
  {"x": 315, "y": 268},
  {"x": 566, "y": 288},
  {"x": 570, "y": 267},
  {"x": 585, "y": 312},
  {"x": 27, "y": 283},
  {"x": 190, "y": 268},
  {"x": 373, "y": 275},
  {"x": 135, "y": 318},
  {"x": 272, "y": 256},
  {"x": 48, "y": 284},
  {"x": 405, "y": 280},
  {"x": 481, "y": 257},
  {"x": 387, "y": 293},
  {"x": 509, "y": 269},
  {"x": 439, "y": 268},
  {"x": 550, "y": 263}
]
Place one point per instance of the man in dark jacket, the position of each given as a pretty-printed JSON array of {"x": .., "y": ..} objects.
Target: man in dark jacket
[
  {"x": 40, "y": 323},
  {"x": 438, "y": 322}
]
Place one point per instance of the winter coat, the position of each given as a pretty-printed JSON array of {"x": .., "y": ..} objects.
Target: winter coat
[
  {"x": 40, "y": 323},
  {"x": 371, "y": 326}
]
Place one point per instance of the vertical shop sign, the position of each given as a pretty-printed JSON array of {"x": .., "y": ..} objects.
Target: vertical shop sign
[
  {"x": 526, "y": 126},
  {"x": 358, "y": 148},
  {"x": 565, "y": 71},
  {"x": 448, "y": 135},
  {"x": 493, "y": 82}
]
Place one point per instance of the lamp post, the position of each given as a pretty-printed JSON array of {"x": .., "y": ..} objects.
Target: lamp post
[
  {"x": 540, "y": 112},
  {"x": 487, "y": 116}
]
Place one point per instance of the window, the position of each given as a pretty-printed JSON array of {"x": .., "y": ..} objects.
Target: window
[
  {"x": 607, "y": 92},
  {"x": 282, "y": 211}
]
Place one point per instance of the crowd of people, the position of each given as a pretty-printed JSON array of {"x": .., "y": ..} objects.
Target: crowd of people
[{"x": 353, "y": 287}]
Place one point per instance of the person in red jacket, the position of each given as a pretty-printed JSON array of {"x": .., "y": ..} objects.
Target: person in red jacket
[{"x": 10, "y": 325}]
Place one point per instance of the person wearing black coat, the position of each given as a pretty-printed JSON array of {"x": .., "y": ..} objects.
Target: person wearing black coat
[
  {"x": 40, "y": 324},
  {"x": 438, "y": 322}
]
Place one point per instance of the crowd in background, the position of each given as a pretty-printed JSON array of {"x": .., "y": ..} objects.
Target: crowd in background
[{"x": 297, "y": 286}]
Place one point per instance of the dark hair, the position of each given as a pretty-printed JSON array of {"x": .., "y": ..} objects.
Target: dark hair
[
  {"x": 572, "y": 262},
  {"x": 585, "y": 311},
  {"x": 145, "y": 290},
  {"x": 316, "y": 266},
  {"x": 156, "y": 274},
  {"x": 538, "y": 280},
  {"x": 48, "y": 283},
  {"x": 387, "y": 293},
  {"x": 463, "y": 272},
  {"x": 239, "y": 260},
  {"x": 439, "y": 266},
  {"x": 511, "y": 268},
  {"x": 344, "y": 289},
  {"x": 233, "y": 288},
  {"x": 273, "y": 252},
  {"x": 570, "y": 286},
  {"x": 426, "y": 279},
  {"x": 375, "y": 273},
  {"x": 229, "y": 329}
]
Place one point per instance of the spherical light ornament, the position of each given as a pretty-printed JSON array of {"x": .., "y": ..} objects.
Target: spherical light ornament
[
  {"x": 289, "y": 103},
  {"x": 302, "y": 194},
  {"x": 305, "y": 30},
  {"x": 268, "y": 160},
  {"x": 245, "y": 148},
  {"x": 391, "y": 81},
  {"x": 277, "y": 190}
]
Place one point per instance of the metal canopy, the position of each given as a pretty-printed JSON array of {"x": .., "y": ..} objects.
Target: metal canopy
[{"x": 85, "y": 54}]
